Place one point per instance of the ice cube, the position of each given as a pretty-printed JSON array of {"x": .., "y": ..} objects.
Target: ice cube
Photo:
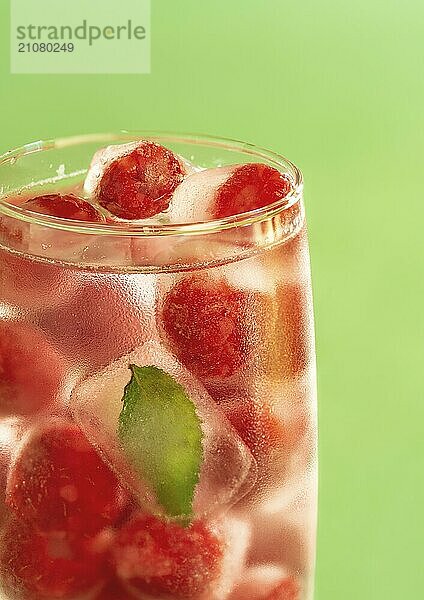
[
  {"x": 11, "y": 431},
  {"x": 250, "y": 275},
  {"x": 277, "y": 423},
  {"x": 286, "y": 532},
  {"x": 228, "y": 470},
  {"x": 34, "y": 284},
  {"x": 236, "y": 533},
  {"x": 101, "y": 160},
  {"x": 233, "y": 536},
  {"x": 23, "y": 344},
  {"x": 105, "y": 156},
  {"x": 193, "y": 200},
  {"x": 258, "y": 581},
  {"x": 106, "y": 319},
  {"x": 216, "y": 320},
  {"x": 79, "y": 247},
  {"x": 233, "y": 190}
]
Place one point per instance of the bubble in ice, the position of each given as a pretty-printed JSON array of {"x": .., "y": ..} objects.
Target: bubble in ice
[{"x": 228, "y": 470}]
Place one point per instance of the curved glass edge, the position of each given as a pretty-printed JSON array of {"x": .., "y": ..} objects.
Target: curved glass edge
[{"x": 143, "y": 230}]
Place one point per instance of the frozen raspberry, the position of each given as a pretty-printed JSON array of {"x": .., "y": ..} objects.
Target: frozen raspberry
[
  {"x": 257, "y": 426},
  {"x": 140, "y": 184},
  {"x": 36, "y": 565},
  {"x": 250, "y": 186},
  {"x": 65, "y": 206},
  {"x": 114, "y": 591},
  {"x": 32, "y": 373},
  {"x": 260, "y": 428},
  {"x": 60, "y": 483},
  {"x": 275, "y": 435},
  {"x": 288, "y": 589},
  {"x": 158, "y": 558},
  {"x": 204, "y": 321}
]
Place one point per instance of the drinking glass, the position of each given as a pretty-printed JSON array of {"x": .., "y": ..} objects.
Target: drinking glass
[{"x": 212, "y": 321}]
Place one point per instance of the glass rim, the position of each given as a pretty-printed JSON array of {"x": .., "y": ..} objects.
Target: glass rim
[{"x": 138, "y": 229}]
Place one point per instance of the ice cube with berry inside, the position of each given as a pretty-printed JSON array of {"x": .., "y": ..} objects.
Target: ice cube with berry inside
[
  {"x": 85, "y": 245},
  {"x": 58, "y": 481},
  {"x": 163, "y": 435},
  {"x": 63, "y": 502},
  {"x": 155, "y": 558},
  {"x": 227, "y": 191},
  {"x": 101, "y": 160},
  {"x": 135, "y": 180},
  {"x": 213, "y": 321},
  {"x": 43, "y": 566}
]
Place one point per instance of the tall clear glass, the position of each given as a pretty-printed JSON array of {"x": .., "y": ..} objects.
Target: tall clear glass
[{"x": 218, "y": 312}]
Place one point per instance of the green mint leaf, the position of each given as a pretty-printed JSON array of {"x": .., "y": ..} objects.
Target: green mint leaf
[{"x": 161, "y": 434}]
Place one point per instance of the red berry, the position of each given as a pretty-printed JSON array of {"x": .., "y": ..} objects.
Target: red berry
[
  {"x": 65, "y": 206},
  {"x": 204, "y": 320},
  {"x": 32, "y": 373},
  {"x": 258, "y": 427},
  {"x": 288, "y": 589},
  {"x": 156, "y": 557},
  {"x": 59, "y": 482},
  {"x": 36, "y": 565},
  {"x": 114, "y": 591},
  {"x": 140, "y": 184},
  {"x": 250, "y": 186}
]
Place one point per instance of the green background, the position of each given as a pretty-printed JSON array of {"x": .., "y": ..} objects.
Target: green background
[{"x": 338, "y": 87}]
